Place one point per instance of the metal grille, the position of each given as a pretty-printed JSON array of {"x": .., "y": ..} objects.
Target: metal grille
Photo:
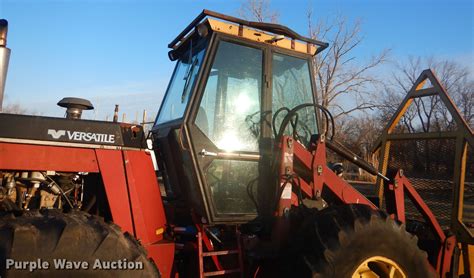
[
  {"x": 429, "y": 164},
  {"x": 424, "y": 138},
  {"x": 468, "y": 206}
]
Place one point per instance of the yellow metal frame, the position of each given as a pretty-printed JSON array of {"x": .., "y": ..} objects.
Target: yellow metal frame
[{"x": 463, "y": 136}]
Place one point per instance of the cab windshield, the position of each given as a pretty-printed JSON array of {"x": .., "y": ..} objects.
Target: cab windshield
[
  {"x": 230, "y": 107},
  {"x": 291, "y": 83},
  {"x": 232, "y": 111}
]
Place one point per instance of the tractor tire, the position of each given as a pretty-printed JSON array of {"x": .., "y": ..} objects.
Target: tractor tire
[
  {"x": 350, "y": 240},
  {"x": 45, "y": 243}
]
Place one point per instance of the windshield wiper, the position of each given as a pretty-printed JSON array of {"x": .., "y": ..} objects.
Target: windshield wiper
[
  {"x": 190, "y": 70},
  {"x": 188, "y": 78}
]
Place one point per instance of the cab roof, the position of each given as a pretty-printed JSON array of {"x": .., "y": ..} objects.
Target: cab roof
[{"x": 268, "y": 33}]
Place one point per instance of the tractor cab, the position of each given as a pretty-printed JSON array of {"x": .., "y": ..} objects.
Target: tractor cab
[{"x": 233, "y": 82}]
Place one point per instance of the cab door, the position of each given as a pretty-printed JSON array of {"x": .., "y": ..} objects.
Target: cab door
[{"x": 226, "y": 130}]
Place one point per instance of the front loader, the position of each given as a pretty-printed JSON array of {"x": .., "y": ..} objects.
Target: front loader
[{"x": 242, "y": 186}]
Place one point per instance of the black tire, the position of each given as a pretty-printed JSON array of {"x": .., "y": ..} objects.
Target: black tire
[
  {"x": 335, "y": 241},
  {"x": 50, "y": 235}
]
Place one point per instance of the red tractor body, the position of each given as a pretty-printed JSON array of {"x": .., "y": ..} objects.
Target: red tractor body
[
  {"x": 246, "y": 188},
  {"x": 128, "y": 176}
]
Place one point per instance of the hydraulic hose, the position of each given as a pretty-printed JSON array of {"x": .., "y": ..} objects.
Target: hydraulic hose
[
  {"x": 352, "y": 157},
  {"x": 331, "y": 143}
]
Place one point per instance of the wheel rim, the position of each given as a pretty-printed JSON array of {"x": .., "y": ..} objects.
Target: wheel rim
[{"x": 378, "y": 267}]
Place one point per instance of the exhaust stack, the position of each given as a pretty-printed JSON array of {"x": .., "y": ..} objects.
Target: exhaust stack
[
  {"x": 4, "y": 58},
  {"x": 74, "y": 106}
]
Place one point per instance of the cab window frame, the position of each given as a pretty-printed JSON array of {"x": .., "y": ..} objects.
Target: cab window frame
[{"x": 206, "y": 43}]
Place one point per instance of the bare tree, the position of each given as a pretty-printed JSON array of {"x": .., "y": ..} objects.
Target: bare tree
[
  {"x": 358, "y": 133},
  {"x": 258, "y": 10},
  {"x": 338, "y": 74},
  {"x": 15, "y": 108},
  {"x": 429, "y": 113}
]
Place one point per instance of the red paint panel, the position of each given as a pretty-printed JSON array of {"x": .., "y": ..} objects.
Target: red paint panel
[
  {"x": 421, "y": 205},
  {"x": 147, "y": 206},
  {"x": 162, "y": 254},
  {"x": 319, "y": 160},
  {"x": 286, "y": 167},
  {"x": 326, "y": 177},
  {"x": 294, "y": 199},
  {"x": 113, "y": 176},
  {"x": 448, "y": 253},
  {"x": 323, "y": 176},
  {"x": 305, "y": 187},
  {"x": 41, "y": 158},
  {"x": 303, "y": 154},
  {"x": 399, "y": 195},
  {"x": 343, "y": 190}
]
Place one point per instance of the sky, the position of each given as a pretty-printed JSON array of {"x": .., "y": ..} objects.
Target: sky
[{"x": 115, "y": 51}]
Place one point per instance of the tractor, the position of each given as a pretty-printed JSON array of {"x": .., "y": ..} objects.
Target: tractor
[{"x": 232, "y": 179}]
